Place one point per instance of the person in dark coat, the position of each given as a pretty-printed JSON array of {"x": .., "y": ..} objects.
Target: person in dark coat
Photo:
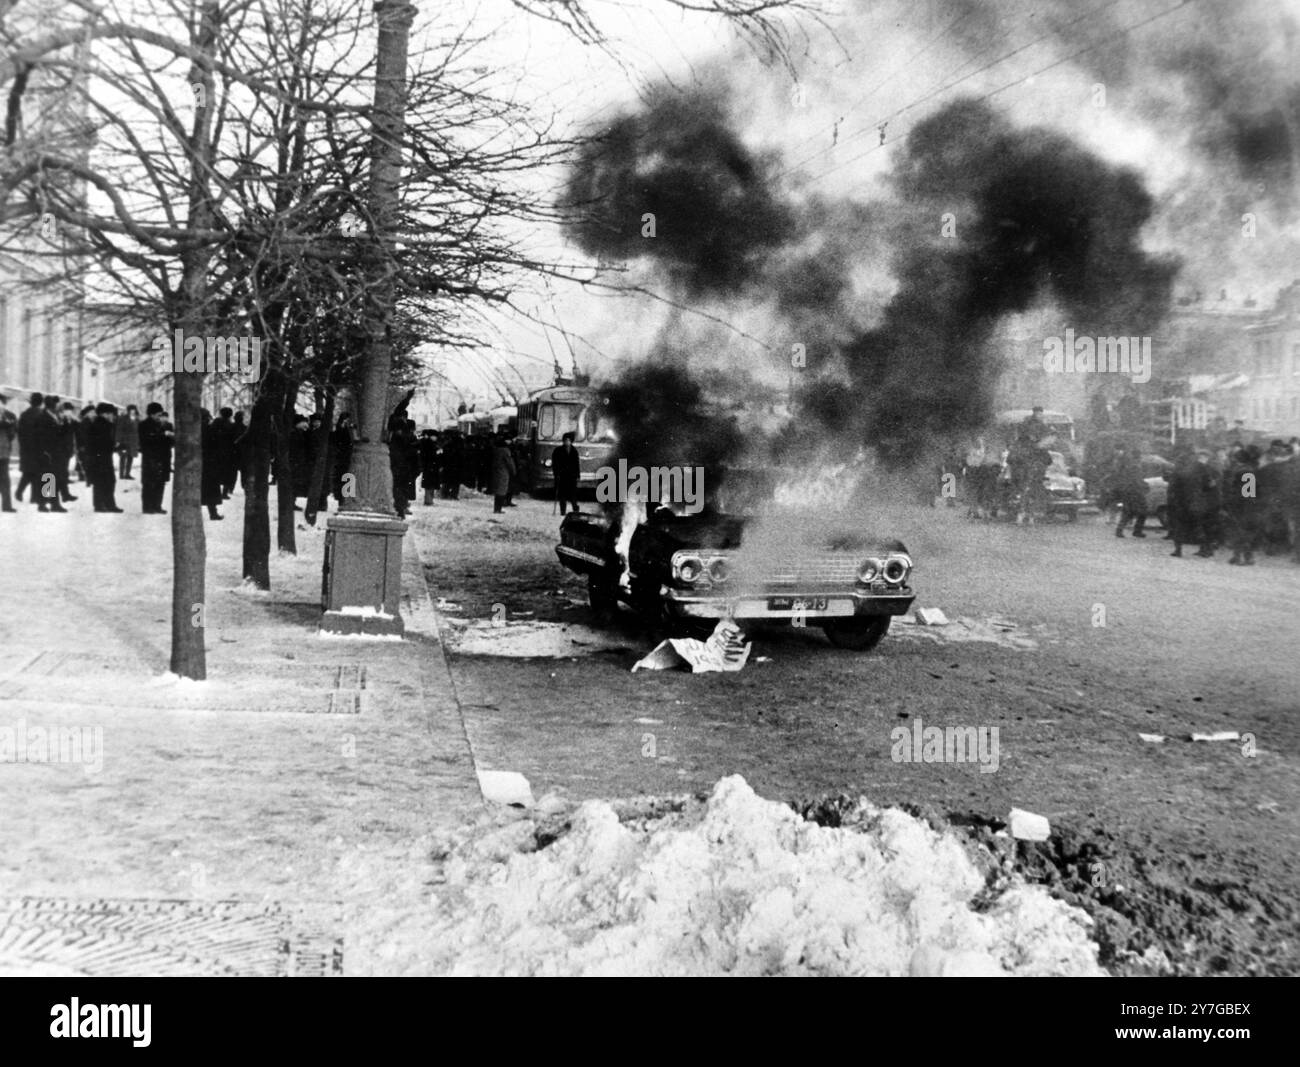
[
  {"x": 102, "y": 441},
  {"x": 428, "y": 446},
  {"x": 83, "y": 441},
  {"x": 8, "y": 434},
  {"x": 128, "y": 441},
  {"x": 566, "y": 468},
  {"x": 300, "y": 456},
  {"x": 31, "y": 458},
  {"x": 212, "y": 444},
  {"x": 48, "y": 436},
  {"x": 225, "y": 454},
  {"x": 1242, "y": 505},
  {"x": 341, "y": 441},
  {"x": 65, "y": 445},
  {"x": 452, "y": 462},
  {"x": 1126, "y": 488},
  {"x": 401, "y": 455},
  {"x": 1192, "y": 493},
  {"x": 503, "y": 469},
  {"x": 239, "y": 446},
  {"x": 1205, "y": 502},
  {"x": 155, "y": 459}
]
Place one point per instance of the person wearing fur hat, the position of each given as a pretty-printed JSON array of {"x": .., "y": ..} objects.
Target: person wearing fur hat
[{"x": 155, "y": 459}]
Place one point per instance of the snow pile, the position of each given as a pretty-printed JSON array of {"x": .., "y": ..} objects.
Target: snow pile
[{"x": 738, "y": 885}]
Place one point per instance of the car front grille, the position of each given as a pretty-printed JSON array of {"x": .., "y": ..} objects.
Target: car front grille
[{"x": 812, "y": 570}]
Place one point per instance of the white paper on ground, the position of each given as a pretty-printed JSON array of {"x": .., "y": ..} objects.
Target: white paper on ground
[
  {"x": 725, "y": 650},
  {"x": 1026, "y": 826},
  {"x": 505, "y": 787}
]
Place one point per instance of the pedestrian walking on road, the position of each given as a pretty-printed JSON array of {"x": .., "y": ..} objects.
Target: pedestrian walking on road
[
  {"x": 1127, "y": 489},
  {"x": 503, "y": 469},
  {"x": 566, "y": 468}
]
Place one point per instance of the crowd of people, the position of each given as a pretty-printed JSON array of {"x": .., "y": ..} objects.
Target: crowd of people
[
  {"x": 101, "y": 446},
  {"x": 97, "y": 444},
  {"x": 1241, "y": 497}
]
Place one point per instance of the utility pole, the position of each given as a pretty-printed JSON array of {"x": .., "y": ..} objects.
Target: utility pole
[{"x": 362, "y": 581}]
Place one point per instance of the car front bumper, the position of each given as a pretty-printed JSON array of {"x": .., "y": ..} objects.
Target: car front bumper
[{"x": 771, "y": 605}]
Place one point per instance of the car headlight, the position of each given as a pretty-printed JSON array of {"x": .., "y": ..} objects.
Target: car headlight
[
  {"x": 688, "y": 569},
  {"x": 896, "y": 569},
  {"x": 868, "y": 571},
  {"x": 719, "y": 570}
]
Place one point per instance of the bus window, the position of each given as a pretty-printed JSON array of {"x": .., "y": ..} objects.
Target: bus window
[
  {"x": 600, "y": 427},
  {"x": 558, "y": 419}
]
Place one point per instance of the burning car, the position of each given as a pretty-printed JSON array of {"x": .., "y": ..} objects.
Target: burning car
[{"x": 690, "y": 571}]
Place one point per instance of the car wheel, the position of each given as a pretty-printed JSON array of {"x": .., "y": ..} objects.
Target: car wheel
[{"x": 859, "y": 634}]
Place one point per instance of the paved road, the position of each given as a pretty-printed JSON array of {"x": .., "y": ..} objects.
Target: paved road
[{"x": 1129, "y": 641}]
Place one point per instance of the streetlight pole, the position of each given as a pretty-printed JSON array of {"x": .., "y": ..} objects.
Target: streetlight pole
[{"x": 363, "y": 550}]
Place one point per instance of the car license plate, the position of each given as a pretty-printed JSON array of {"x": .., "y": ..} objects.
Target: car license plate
[{"x": 785, "y": 603}]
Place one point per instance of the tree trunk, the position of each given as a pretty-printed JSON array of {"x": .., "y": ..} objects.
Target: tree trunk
[
  {"x": 370, "y": 460},
  {"x": 284, "y": 533},
  {"x": 189, "y": 546}
]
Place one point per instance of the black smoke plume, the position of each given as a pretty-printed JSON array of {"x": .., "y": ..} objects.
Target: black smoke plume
[
  {"x": 1037, "y": 218},
  {"x": 716, "y": 218},
  {"x": 662, "y": 417}
]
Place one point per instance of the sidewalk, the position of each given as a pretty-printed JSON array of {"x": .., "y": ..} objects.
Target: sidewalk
[{"x": 272, "y": 819}]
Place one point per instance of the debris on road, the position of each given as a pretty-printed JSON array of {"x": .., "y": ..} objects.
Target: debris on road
[
  {"x": 505, "y": 787},
  {"x": 762, "y": 890},
  {"x": 930, "y": 617},
  {"x": 444, "y": 604},
  {"x": 1026, "y": 826},
  {"x": 994, "y": 630},
  {"x": 1221, "y": 735},
  {"x": 1155, "y": 739},
  {"x": 527, "y": 638},
  {"x": 725, "y": 650}
]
